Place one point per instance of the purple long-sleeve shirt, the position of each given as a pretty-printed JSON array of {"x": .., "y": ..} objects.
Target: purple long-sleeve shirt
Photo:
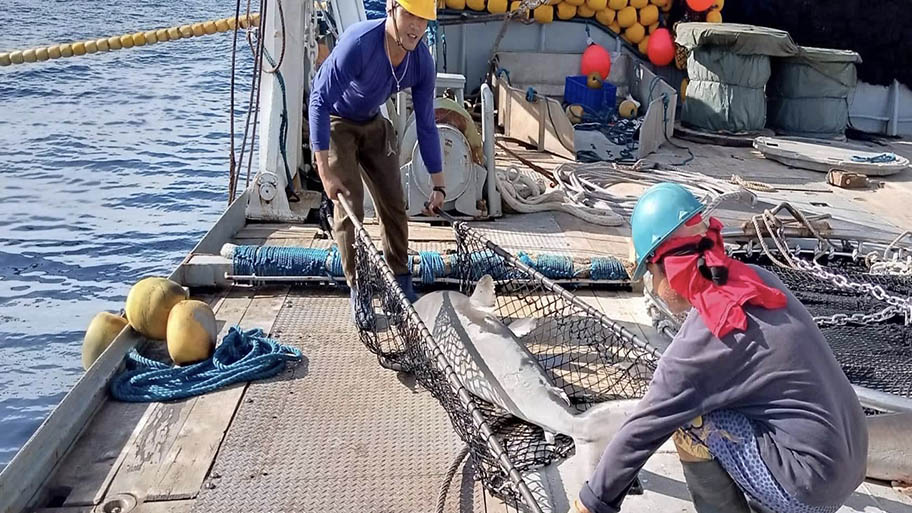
[
  {"x": 357, "y": 78},
  {"x": 781, "y": 374}
]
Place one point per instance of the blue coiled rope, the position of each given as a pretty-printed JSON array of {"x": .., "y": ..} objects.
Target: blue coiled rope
[
  {"x": 552, "y": 266},
  {"x": 242, "y": 356},
  {"x": 432, "y": 266},
  {"x": 601, "y": 268}
]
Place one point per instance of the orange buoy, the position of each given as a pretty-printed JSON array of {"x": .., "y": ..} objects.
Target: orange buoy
[
  {"x": 596, "y": 59},
  {"x": 660, "y": 49}
]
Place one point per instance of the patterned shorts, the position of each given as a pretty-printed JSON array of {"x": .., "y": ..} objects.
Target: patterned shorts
[{"x": 729, "y": 436}]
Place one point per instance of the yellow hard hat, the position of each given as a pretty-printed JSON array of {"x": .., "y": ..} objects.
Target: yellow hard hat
[{"x": 426, "y": 9}]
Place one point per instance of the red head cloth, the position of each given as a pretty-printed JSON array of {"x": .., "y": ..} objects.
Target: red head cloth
[{"x": 715, "y": 284}]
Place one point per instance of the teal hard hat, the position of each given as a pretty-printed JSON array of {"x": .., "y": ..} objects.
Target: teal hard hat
[{"x": 661, "y": 210}]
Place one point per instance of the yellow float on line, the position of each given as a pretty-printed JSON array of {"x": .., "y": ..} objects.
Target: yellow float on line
[{"x": 143, "y": 38}]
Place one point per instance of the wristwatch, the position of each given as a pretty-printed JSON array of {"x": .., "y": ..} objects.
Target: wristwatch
[{"x": 441, "y": 190}]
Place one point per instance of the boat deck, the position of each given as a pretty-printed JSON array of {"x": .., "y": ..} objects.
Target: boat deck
[{"x": 338, "y": 432}]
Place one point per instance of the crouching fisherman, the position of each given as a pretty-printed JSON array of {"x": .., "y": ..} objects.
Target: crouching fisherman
[
  {"x": 373, "y": 60},
  {"x": 762, "y": 416}
]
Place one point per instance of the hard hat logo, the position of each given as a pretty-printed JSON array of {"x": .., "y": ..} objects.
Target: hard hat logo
[{"x": 661, "y": 210}]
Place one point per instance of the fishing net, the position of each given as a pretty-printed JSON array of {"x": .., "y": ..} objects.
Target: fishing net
[{"x": 592, "y": 358}]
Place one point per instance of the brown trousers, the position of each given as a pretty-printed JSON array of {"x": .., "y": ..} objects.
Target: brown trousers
[{"x": 371, "y": 146}]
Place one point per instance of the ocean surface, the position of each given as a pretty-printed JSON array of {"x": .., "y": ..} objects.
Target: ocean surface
[{"x": 112, "y": 166}]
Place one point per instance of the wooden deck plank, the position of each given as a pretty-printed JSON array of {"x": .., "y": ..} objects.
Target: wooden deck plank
[
  {"x": 90, "y": 466},
  {"x": 182, "y": 472},
  {"x": 141, "y": 459}
]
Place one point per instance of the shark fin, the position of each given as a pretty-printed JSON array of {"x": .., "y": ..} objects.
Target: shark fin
[
  {"x": 523, "y": 327},
  {"x": 484, "y": 298}
]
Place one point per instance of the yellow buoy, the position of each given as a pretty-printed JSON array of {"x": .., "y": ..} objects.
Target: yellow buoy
[
  {"x": 255, "y": 19},
  {"x": 209, "y": 27},
  {"x": 149, "y": 303},
  {"x": 186, "y": 31},
  {"x": 544, "y": 14},
  {"x": 53, "y": 52},
  {"x": 42, "y": 54},
  {"x": 174, "y": 33},
  {"x": 653, "y": 27},
  {"x": 576, "y": 2},
  {"x": 584, "y": 11},
  {"x": 617, "y": 5},
  {"x": 594, "y": 80},
  {"x": 126, "y": 41},
  {"x": 627, "y": 109},
  {"x": 162, "y": 35},
  {"x": 232, "y": 22},
  {"x": 566, "y": 11},
  {"x": 114, "y": 43},
  {"x": 222, "y": 24},
  {"x": 605, "y": 17},
  {"x": 635, "y": 33},
  {"x": 91, "y": 46},
  {"x": 198, "y": 29},
  {"x": 191, "y": 332},
  {"x": 497, "y": 6},
  {"x": 614, "y": 27},
  {"x": 139, "y": 39},
  {"x": 639, "y": 4},
  {"x": 575, "y": 113},
  {"x": 16, "y": 57},
  {"x": 5, "y": 59},
  {"x": 649, "y": 15},
  {"x": 684, "y": 84},
  {"x": 103, "y": 45},
  {"x": 458, "y": 5},
  {"x": 476, "y": 5},
  {"x": 66, "y": 50},
  {"x": 667, "y": 6},
  {"x": 644, "y": 45},
  {"x": 151, "y": 37},
  {"x": 103, "y": 329},
  {"x": 627, "y": 16},
  {"x": 658, "y": 3},
  {"x": 718, "y": 5},
  {"x": 597, "y": 5},
  {"x": 79, "y": 48},
  {"x": 714, "y": 16},
  {"x": 29, "y": 55}
]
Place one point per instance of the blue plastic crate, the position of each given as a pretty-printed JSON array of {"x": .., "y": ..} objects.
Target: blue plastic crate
[{"x": 598, "y": 100}]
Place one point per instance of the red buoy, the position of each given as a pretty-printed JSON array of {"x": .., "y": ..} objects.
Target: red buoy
[
  {"x": 661, "y": 50},
  {"x": 596, "y": 59},
  {"x": 700, "y": 5}
]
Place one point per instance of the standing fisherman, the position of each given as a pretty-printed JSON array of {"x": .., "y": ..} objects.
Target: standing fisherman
[
  {"x": 373, "y": 60},
  {"x": 763, "y": 417}
]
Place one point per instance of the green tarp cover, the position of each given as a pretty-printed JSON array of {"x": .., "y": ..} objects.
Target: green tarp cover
[
  {"x": 726, "y": 91},
  {"x": 808, "y": 93},
  {"x": 737, "y": 38}
]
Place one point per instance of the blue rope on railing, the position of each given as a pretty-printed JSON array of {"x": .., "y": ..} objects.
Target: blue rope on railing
[
  {"x": 552, "y": 266},
  {"x": 242, "y": 356},
  {"x": 295, "y": 261},
  {"x": 601, "y": 268},
  {"x": 431, "y": 266}
]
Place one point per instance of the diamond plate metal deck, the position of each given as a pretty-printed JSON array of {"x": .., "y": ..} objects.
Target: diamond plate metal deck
[{"x": 335, "y": 433}]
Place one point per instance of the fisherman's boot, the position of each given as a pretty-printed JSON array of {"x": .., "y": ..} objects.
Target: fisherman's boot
[
  {"x": 362, "y": 311},
  {"x": 405, "y": 283},
  {"x": 712, "y": 489}
]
